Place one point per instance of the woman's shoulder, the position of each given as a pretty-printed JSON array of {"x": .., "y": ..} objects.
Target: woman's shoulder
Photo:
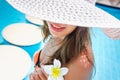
[
  {"x": 81, "y": 66},
  {"x": 87, "y": 59},
  {"x": 84, "y": 61}
]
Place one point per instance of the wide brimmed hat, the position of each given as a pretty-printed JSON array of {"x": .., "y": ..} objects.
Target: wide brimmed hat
[{"x": 73, "y": 12}]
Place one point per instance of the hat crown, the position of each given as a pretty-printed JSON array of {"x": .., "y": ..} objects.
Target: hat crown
[
  {"x": 74, "y": 12},
  {"x": 90, "y": 1}
]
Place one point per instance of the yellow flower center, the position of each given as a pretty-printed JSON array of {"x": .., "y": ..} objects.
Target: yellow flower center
[{"x": 55, "y": 71}]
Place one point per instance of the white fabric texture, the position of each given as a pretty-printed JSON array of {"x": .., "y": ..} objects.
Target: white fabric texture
[
  {"x": 74, "y": 12},
  {"x": 113, "y": 33}
]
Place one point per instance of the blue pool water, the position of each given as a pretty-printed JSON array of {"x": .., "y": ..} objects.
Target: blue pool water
[{"x": 106, "y": 51}]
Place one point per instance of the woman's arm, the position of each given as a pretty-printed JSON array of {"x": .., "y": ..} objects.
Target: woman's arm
[
  {"x": 38, "y": 73},
  {"x": 79, "y": 68}
]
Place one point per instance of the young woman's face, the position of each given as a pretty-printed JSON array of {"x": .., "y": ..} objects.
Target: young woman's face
[{"x": 60, "y": 30}]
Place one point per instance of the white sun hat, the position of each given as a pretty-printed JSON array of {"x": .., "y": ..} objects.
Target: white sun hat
[
  {"x": 112, "y": 33},
  {"x": 73, "y": 12}
]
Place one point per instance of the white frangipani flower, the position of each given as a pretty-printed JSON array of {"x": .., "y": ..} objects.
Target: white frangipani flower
[{"x": 55, "y": 71}]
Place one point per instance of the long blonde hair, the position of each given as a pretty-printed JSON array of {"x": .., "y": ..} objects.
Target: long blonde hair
[{"x": 72, "y": 45}]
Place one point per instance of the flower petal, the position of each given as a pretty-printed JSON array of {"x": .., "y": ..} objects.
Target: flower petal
[
  {"x": 57, "y": 63},
  {"x": 49, "y": 77},
  {"x": 48, "y": 69},
  {"x": 64, "y": 71},
  {"x": 61, "y": 78}
]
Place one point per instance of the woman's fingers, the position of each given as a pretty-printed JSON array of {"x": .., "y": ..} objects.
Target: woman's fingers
[
  {"x": 31, "y": 77},
  {"x": 38, "y": 74},
  {"x": 34, "y": 76},
  {"x": 42, "y": 75}
]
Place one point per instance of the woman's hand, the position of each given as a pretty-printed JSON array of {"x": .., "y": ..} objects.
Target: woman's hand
[{"x": 38, "y": 74}]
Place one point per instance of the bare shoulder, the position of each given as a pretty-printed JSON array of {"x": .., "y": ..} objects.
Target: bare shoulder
[
  {"x": 81, "y": 67},
  {"x": 86, "y": 59}
]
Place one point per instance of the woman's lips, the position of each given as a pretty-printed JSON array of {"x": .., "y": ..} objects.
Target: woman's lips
[{"x": 57, "y": 29}]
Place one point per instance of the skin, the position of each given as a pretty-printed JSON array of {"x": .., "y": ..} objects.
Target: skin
[
  {"x": 68, "y": 29},
  {"x": 79, "y": 68}
]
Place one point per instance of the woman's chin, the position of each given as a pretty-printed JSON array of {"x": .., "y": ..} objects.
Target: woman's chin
[
  {"x": 55, "y": 36},
  {"x": 59, "y": 37}
]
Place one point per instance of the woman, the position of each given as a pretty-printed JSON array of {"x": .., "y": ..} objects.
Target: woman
[
  {"x": 67, "y": 22},
  {"x": 71, "y": 45}
]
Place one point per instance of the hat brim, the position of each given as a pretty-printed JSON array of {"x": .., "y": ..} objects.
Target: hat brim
[
  {"x": 112, "y": 33},
  {"x": 73, "y": 12}
]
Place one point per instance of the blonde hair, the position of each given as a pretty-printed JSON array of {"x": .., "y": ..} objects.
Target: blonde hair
[{"x": 72, "y": 45}]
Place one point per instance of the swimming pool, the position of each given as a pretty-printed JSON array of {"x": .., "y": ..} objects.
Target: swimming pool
[{"x": 106, "y": 51}]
